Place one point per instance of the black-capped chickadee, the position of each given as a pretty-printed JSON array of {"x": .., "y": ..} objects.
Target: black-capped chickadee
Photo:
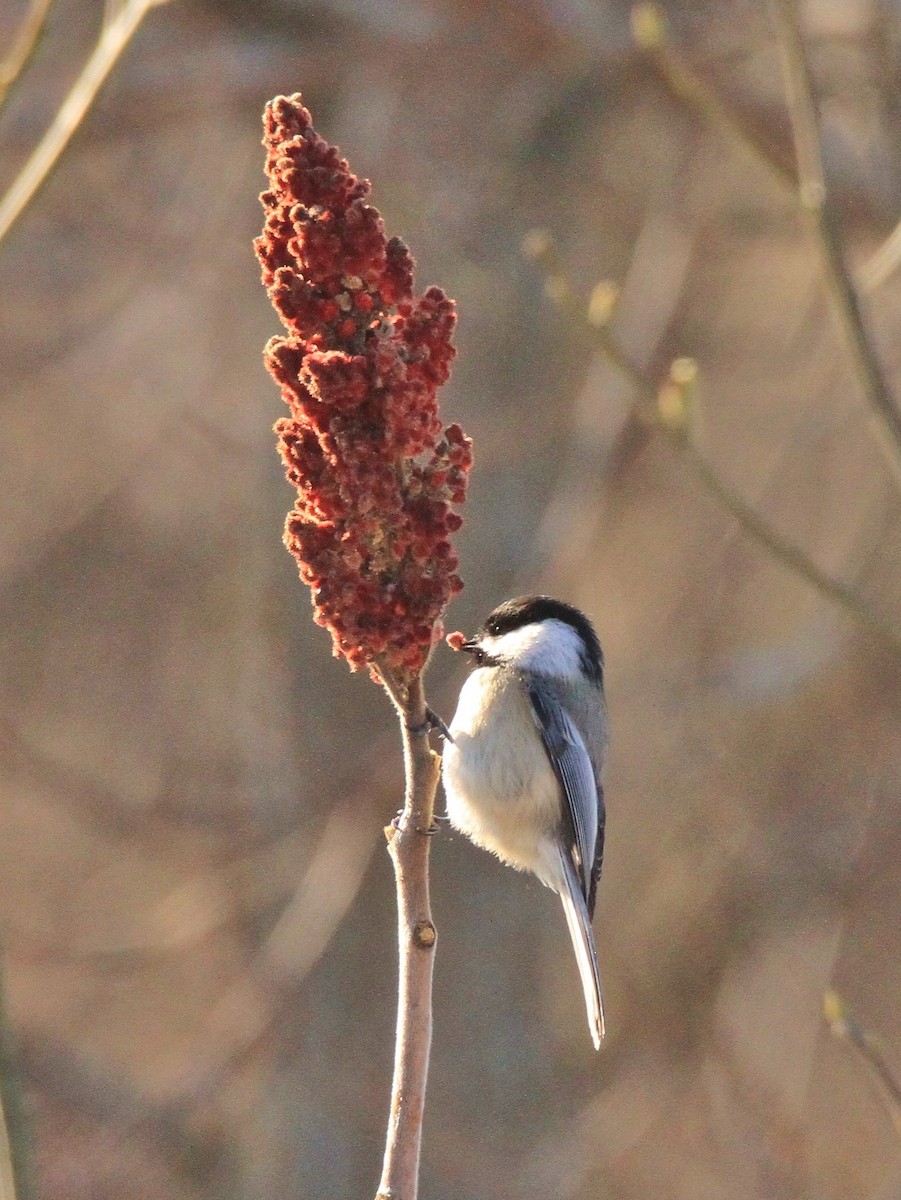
[{"x": 522, "y": 773}]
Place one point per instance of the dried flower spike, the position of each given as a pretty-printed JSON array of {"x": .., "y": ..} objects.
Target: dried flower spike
[{"x": 376, "y": 472}]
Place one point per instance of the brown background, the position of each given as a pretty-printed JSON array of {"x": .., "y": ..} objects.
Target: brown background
[{"x": 196, "y": 912}]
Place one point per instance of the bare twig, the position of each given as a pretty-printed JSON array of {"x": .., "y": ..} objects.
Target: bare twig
[
  {"x": 652, "y": 413},
  {"x": 409, "y": 837},
  {"x": 114, "y": 37},
  {"x": 843, "y": 1024},
  {"x": 23, "y": 45},
  {"x": 814, "y": 199}
]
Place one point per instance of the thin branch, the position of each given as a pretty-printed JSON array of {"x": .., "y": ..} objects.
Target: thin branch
[
  {"x": 23, "y": 45},
  {"x": 688, "y": 89},
  {"x": 396, "y": 693},
  {"x": 15, "y": 1142},
  {"x": 815, "y": 201},
  {"x": 676, "y": 425},
  {"x": 113, "y": 39},
  {"x": 843, "y": 1024},
  {"x": 409, "y": 839},
  {"x": 787, "y": 552},
  {"x": 883, "y": 263},
  {"x": 7, "y": 1175}
]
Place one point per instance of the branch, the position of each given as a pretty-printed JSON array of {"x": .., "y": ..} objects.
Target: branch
[
  {"x": 883, "y": 262},
  {"x": 668, "y": 410},
  {"x": 409, "y": 838},
  {"x": 787, "y": 552},
  {"x": 688, "y": 89},
  {"x": 15, "y": 1143},
  {"x": 377, "y": 475},
  {"x": 814, "y": 200},
  {"x": 23, "y": 45},
  {"x": 843, "y": 1024},
  {"x": 113, "y": 39}
]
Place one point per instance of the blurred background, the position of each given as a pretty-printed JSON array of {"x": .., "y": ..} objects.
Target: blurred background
[{"x": 196, "y": 910}]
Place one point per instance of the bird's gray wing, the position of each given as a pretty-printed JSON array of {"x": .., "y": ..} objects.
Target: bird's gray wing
[
  {"x": 598, "y": 851},
  {"x": 583, "y": 808},
  {"x": 582, "y": 935}
]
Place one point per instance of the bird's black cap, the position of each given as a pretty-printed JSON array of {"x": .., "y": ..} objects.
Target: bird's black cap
[{"x": 528, "y": 610}]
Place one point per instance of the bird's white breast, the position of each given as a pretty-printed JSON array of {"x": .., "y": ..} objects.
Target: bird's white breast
[{"x": 501, "y": 790}]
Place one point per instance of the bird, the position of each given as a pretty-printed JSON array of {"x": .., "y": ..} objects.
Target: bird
[{"x": 522, "y": 761}]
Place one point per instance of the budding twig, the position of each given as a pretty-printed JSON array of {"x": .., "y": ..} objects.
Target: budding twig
[
  {"x": 843, "y": 1024},
  {"x": 814, "y": 198},
  {"x": 650, "y": 33},
  {"x": 667, "y": 408},
  {"x": 689, "y": 89}
]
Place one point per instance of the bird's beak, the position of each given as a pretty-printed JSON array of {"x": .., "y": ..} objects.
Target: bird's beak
[{"x": 470, "y": 646}]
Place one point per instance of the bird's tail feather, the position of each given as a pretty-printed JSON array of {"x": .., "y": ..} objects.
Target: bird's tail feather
[{"x": 582, "y": 935}]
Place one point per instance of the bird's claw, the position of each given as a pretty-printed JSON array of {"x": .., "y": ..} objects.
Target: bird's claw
[{"x": 432, "y": 721}]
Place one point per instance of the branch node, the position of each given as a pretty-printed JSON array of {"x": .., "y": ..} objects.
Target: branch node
[{"x": 424, "y": 935}]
